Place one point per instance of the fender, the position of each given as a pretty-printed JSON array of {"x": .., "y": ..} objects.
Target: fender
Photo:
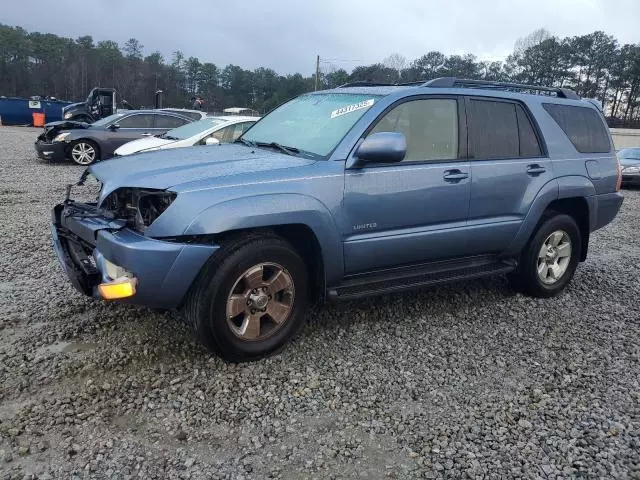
[
  {"x": 578, "y": 186},
  {"x": 277, "y": 209},
  {"x": 558, "y": 188}
]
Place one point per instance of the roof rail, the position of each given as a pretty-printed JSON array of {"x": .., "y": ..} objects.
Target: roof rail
[
  {"x": 365, "y": 83},
  {"x": 451, "y": 82}
]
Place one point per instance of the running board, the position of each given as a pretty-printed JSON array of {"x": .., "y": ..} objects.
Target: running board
[{"x": 408, "y": 278}]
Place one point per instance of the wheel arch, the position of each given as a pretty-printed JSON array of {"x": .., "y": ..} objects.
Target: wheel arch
[
  {"x": 573, "y": 195},
  {"x": 300, "y": 219}
]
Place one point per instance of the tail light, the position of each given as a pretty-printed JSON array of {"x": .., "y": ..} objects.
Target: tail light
[{"x": 619, "y": 181}]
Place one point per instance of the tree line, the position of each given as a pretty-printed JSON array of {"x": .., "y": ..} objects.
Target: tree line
[{"x": 595, "y": 65}]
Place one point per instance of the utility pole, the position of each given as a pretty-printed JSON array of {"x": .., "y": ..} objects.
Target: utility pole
[{"x": 317, "y": 71}]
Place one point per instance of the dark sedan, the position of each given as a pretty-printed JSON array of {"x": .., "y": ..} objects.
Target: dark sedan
[
  {"x": 85, "y": 143},
  {"x": 630, "y": 163}
]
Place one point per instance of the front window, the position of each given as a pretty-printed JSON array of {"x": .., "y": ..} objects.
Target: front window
[
  {"x": 429, "y": 126},
  {"x": 312, "y": 123},
  {"x": 191, "y": 129},
  {"x": 107, "y": 120}
]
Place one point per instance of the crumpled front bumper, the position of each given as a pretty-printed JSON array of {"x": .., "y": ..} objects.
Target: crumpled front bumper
[
  {"x": 164, "y": 270},
  {"x": 50, "y": 151}
]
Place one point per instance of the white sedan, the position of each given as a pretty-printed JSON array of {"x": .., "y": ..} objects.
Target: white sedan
[{"x": 208, "y": 131}]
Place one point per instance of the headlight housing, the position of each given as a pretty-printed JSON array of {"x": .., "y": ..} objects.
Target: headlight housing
[
  {"x": 68, "y": 115},
  {"x": 140, "y": 207},
  {"x": 633, "y": 170},
  {"x": 61, "y": 136}
]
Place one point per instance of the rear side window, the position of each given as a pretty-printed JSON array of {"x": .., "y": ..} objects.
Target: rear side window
[
  {"x": 168, "y": 121},
  {"x": 500, "y": 130},
  {"x": 493, "y": 130},
  {"x": 582, "y": 125}
]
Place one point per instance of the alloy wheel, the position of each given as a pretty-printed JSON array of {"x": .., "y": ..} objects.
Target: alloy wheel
[
  {"x": 83, "y": 153},
  {"x": 260, "y": 302},
  {"x": 554, "y": 257}
]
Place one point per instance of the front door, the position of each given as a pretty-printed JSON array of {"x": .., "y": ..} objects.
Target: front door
[
  {"x": 414, "y": 211},
  {"x": 508, "y": 168},
  {"x": 131, "y": 127}
]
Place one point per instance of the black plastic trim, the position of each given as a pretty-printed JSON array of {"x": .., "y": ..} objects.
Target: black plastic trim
[{"x": 410, "y": 277}]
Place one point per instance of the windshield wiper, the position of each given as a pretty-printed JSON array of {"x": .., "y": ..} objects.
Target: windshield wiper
[
  {"x": 282, "y": 148},
  {"x": 248, "y": 143},
  {"x": 169, "y": 137}
]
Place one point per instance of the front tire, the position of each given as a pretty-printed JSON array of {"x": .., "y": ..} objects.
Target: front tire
[
  {"x": 550, "y": 259},
  {"x": 84, "y": 152},
  {"x": 249, "y": 299}
]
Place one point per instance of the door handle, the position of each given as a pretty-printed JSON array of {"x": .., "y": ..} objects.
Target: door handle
[
  {"x": 454, "y": 175},
  {"x": 535, "y": 169},
  {"x": 147, "y": 134}
]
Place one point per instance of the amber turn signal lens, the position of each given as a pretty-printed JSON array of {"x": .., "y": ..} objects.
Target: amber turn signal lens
[{"x": 118, "y": 288}]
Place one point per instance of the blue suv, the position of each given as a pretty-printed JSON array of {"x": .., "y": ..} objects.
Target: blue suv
[{"x": 360, "y": 190}]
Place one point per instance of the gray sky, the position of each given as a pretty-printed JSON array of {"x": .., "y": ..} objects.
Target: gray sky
[{"x": 286, "y": 35}]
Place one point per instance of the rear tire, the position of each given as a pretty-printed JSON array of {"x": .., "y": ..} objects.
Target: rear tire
[
  {"x": 550, "y": 259},
  {"x": 233, "y": 304}
]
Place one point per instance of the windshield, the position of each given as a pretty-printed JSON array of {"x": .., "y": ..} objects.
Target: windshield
[
  {"x": 191, "y": 129},
  {"x": 311, "y": 123},
  {"x": 107, "y": 120}
]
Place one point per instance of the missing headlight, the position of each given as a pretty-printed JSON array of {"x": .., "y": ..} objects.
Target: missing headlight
[
  {"x": 86, "y": 190},
  {"x": 139, "y": 207}
]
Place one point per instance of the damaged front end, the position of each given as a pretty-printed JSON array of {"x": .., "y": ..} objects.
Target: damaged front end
[
  {"x": 52, "y": 129},
  {"x": 50, "y": 143},
  {"x": 102, "y": 247},
  {"x": 74, "y": 228}
]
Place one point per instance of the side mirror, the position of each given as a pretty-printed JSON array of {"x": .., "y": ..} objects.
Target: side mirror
[
  {"x": 212, "y": 141},
  {"x": 382, "y": 147},
  {"x": 114, "y": 126}
]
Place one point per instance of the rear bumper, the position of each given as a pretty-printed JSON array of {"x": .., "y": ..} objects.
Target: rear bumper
[
  {"x": 51, "y": 151},
  {"x": 164, "y": 270},
  {"x": 605, "y": 209}
]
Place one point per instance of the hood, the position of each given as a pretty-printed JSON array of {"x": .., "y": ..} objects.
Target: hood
[
  {"x": 143, "y": 144},
  {"x": 180, "y": 169},
  {"x": 66, "y": 125},
  {"x": 52, "y": 129},
  {"x": 73, "y": 106}
]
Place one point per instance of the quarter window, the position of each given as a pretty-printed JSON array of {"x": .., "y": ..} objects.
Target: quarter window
[
  {"x": 529, "y": 145},
  {"x": 584, "y": 127},
  {"x": 429, "y": 126}
]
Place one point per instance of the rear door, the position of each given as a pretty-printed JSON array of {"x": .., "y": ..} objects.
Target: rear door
[{"x": 508, "y": 168}]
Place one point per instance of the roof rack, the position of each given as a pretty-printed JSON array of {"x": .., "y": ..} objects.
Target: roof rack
[
  {"x": 452, "y": 82},
  {"x": 364, "y": 83}
]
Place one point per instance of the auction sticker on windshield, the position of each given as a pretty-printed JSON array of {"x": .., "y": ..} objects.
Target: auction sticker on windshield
[{"x": 352, "y": 108}]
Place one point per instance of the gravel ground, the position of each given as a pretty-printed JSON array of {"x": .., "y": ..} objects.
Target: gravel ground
[{"x": 463, "y": 381}]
